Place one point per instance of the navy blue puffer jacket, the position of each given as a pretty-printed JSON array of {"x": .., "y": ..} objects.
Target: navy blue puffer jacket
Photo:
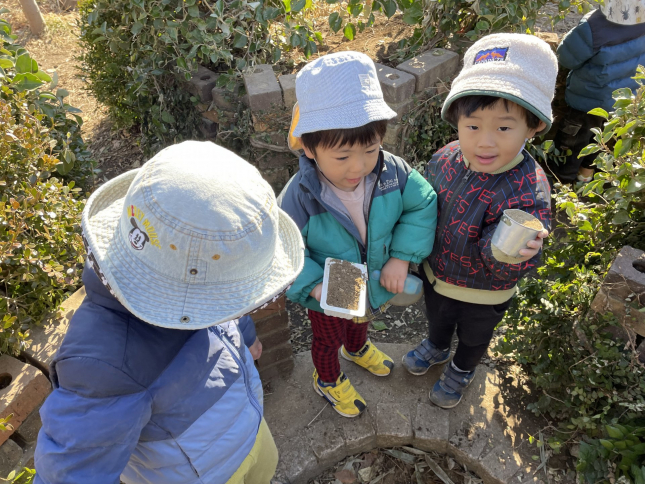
[{"x": 603, "y": 57}]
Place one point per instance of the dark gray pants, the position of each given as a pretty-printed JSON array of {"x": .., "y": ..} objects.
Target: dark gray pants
[{"x": 475, "y": 324}]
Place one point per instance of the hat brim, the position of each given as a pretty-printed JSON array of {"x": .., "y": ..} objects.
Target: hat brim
[
  {"x": 158, "y": 301},
  {"x": 348, "y": 116},
  {"x": 505, "y": 95}
]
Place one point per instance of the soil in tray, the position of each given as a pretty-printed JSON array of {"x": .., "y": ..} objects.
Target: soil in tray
[
  {"x": 526, "y": 220},
  {"x": 344, "y": 285}
]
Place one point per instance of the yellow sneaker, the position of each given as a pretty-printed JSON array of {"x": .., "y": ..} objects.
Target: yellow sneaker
[
  {"x": 370, "y": 358},
  {"x": 342, "y": 396}
]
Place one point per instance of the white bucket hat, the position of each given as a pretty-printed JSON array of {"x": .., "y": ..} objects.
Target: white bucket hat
[
  {"x": 624, "y": 12},
  {"x": 518, "y": 67},
  {"x": 192, "y": 239},
  {"x": 338, "y": 91}
]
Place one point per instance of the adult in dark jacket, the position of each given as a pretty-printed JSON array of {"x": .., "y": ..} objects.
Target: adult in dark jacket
[
  {"x": 602, "y": 52},
  {"x": 154, "y": 382}
]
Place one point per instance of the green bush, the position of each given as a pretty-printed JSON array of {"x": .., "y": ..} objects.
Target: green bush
[
  {"x": 41, "y": 251},
  {"x": 137, "y": 55},
  {"x": 586, "y": 377},
  {"x": 20, "y": 73}
]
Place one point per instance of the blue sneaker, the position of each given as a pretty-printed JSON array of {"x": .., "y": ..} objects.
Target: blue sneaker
[
  {"x": 420, "y": 359},
  {"x": 447, "y": 392}
]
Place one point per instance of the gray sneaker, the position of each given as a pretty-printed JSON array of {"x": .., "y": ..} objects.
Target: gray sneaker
[{"x": 420, "y": 359}]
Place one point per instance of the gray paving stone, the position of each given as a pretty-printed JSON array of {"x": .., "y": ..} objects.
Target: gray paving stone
[
  {"x": 502, "y": 462},
  {"x": 431, "y": 428},
  {"x": 262, "y": 88},
  {"x": 430, "y": 67},
  {"x": 397, "y": 86},
  {"x": 208, "y": 127},
  {"x": 392, "y": 135},
  {"x": 202, "y": 83},
  {"x": 288, "y": 85},
  {"x": 10, "y": 456},
  {"x": 225, "y": 100},
  {"x": 28, "y": 430},
  {"x": 326, "y": 441},
  {"x": 46, "y": 339},
  {"x": 360, "y": 433},
  {"x": 292, "y": 405},
  {"x": 393, "y": 424},
  {"x": 297, "y": 461}
]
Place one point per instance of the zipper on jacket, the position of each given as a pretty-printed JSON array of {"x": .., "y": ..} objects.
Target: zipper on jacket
[
  {"x": 455, "y": 194},
  {"x": 231, "y": 348},
  {"x": 369, "y": 210}
]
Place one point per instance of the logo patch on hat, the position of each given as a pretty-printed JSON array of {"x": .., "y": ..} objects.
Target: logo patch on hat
[
  {"x": 367, "y": 83},
  {"x": 138, "y": 236},
  {"x": 498, "y": 54}
]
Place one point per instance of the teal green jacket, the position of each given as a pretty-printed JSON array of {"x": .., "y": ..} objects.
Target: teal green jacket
[{"x": 401, "y": 213}]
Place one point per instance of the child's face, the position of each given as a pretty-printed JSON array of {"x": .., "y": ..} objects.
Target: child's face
[
  {"x": 345, "y": 166},
  {"x": 490, "y": 138}
]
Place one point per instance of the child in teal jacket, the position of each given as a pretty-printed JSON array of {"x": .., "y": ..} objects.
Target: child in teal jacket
[{"x": 351, "y": 201}]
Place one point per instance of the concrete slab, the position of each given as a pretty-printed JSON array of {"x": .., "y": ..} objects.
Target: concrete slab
[
  {"x": 430, "y": 67},
  {"x": 479, "y": 432},
  {"x": 46, "y": 339},
  {"x": 262, "y": 88},
  {"x": 397, "y": 86},
  {"x": 288, "y": 85},
  {"x": 202, "y": 83}
]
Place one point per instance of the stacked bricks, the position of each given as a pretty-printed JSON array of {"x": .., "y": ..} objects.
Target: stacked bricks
[
  {"x": 23, "y": 388},
  {"x": 623, "y": 294},
  {"x": 272, "y": 326},
  {"x": 271, "y": 100},
  {"x": 427, "y": 73}
]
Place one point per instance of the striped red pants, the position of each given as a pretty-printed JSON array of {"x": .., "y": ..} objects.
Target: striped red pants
[{"x": 330, "y": 333}]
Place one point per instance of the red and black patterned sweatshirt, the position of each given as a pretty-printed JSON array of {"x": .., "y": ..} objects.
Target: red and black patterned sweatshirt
[{"x": 463, "y": 264}]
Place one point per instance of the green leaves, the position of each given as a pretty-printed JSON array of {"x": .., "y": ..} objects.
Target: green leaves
[
  {"x": 335, "y": 21},
  {"x": 350, "y": 31}
]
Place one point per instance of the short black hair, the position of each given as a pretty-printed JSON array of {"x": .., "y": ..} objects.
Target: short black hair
[
  {"x": 363, "y": 135},
  {"x": 467, "y": 105}
]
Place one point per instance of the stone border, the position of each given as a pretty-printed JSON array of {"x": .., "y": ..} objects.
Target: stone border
[{"x": 476, "y": 433}]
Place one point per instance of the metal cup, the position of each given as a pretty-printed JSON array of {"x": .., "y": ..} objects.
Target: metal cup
[{"x": 511, "y": 236}]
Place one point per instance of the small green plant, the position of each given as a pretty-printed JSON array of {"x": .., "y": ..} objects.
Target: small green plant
[
  {"x": 24, "y": 476},
  {"x": 620, "y": 454}
]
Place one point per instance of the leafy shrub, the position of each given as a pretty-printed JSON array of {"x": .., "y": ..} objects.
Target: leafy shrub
[
  {"x": 136, "y": 55},
  {"x": 20, "y": 73},
  {"x": 620, "y": 454},
  {"x": 587, "y": 377},
  {"x": 136, "y": 62},
  {"x": 41, "y": 251}
]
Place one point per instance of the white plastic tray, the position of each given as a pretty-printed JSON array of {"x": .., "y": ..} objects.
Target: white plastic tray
[{"x": 342, "y": 312}]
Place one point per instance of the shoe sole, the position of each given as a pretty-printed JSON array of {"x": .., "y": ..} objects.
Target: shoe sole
[
  {"x": 320, "y": 392},
  {"x": 346, "y": 357},
  {"x": 446, "y": 407},
  {"x": 424, "y": 371}
]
